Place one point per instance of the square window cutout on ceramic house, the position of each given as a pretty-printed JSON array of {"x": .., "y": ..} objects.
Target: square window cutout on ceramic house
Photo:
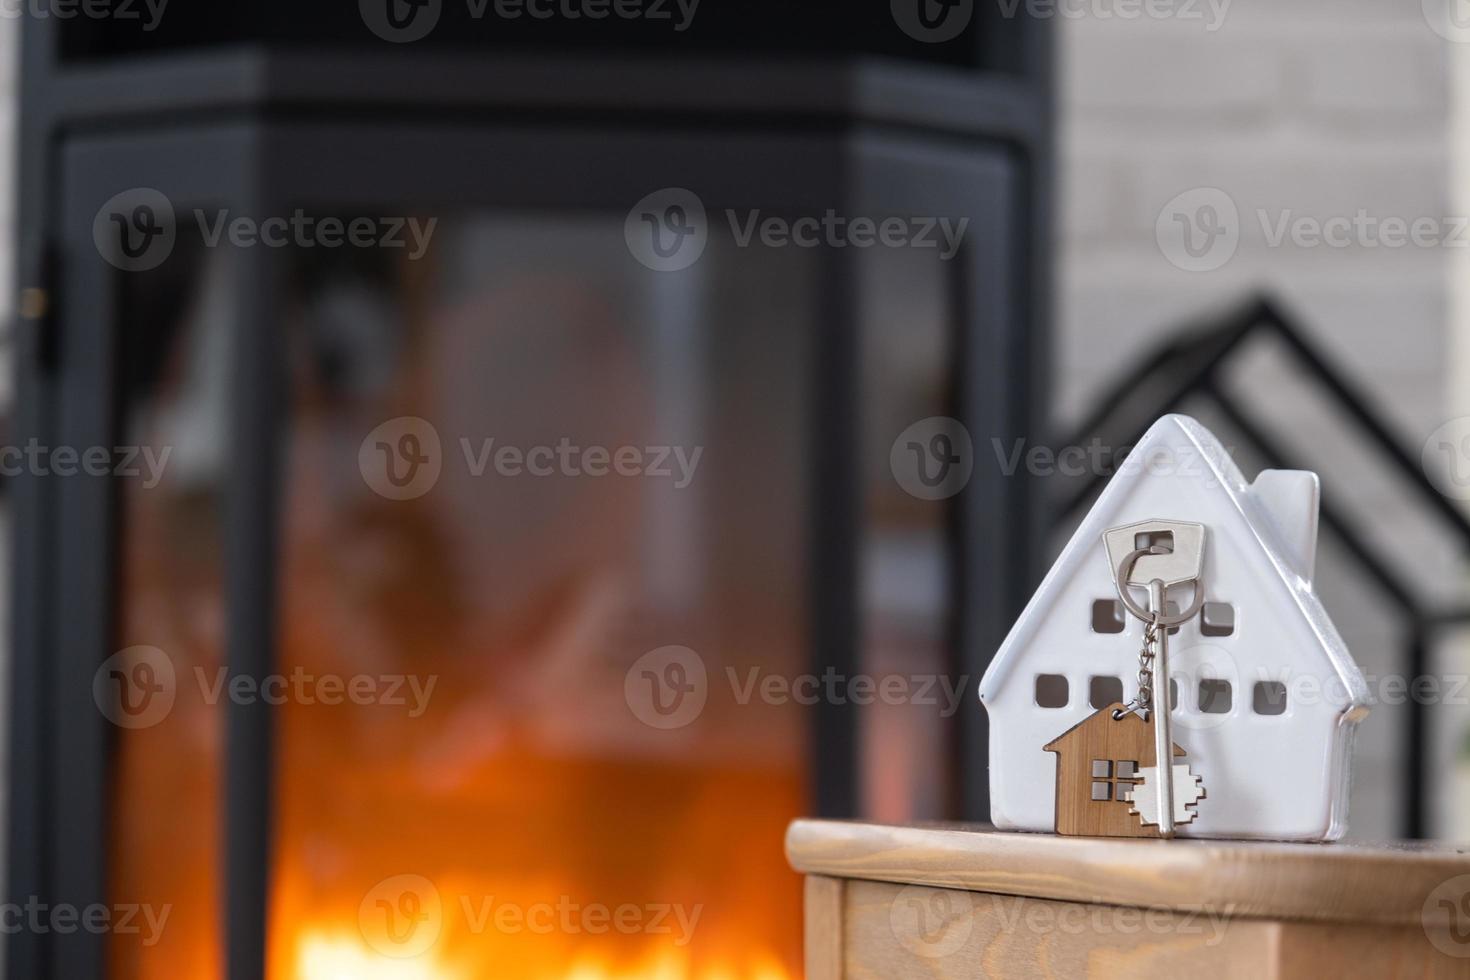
[
  {"x": 1051, "y": 691},
  {"x": 1269, "y": 698},
  {"x": 1217, "y": 619},
  {"x": 1107, "y": 616},
  {"x": 1215, "y": 696},
  {"x": 1103, "y": 691}
]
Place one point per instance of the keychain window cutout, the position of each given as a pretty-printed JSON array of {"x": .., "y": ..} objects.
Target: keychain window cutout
[
  {"x": 1217, "y": 619},
  {"x": 1269, "y": 698},
  {"x": 1107, "y": 616},
  {"x": 1103, "y": 691},
  {"x": 1113, "y": 780},
  {"x": 1051, "y": 691},
  {"x": 1215, "y": 696}
]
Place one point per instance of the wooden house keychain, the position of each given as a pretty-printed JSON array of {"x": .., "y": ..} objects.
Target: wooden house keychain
[{"x": 1112, "y": 758}]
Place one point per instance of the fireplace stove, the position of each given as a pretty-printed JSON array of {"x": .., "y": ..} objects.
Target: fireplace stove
[{"x": 535, "y": 151}]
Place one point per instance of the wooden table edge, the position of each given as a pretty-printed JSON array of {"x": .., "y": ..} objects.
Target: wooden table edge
[{"x": 1344, "y": 882}]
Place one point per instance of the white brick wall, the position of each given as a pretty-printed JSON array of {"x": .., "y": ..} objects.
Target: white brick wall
[{"x": 1319, "y": 108}]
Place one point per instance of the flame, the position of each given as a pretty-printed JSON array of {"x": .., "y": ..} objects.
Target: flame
[
  {"x": 529, "y": 774},
  {"x": 324, "y": 955},
  {"x": 340, "y": 956}
]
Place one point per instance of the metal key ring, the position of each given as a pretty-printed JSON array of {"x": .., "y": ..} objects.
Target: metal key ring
[{"x": 1125, "y": 568}]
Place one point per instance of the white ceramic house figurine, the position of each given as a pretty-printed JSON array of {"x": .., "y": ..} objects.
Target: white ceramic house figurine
[{"x": 1266, "y": 696}]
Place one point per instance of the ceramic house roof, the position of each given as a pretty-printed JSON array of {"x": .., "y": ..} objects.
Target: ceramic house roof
[{"x": 1182, "y": 436}]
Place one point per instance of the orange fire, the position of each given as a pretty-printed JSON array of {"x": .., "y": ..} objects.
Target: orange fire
[
  {"x": 525, "y": 782},
  {"x": 344, "y": 956}
]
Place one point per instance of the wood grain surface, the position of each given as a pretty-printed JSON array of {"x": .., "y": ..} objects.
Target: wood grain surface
[
  {"x": 915, "y": 931},
  {"x": 824, "y": 927},
  {"x": 1387, "y": 884}
]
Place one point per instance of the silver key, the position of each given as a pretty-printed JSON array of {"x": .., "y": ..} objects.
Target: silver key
[
  {"x": 1163, "y": 724},
  {"x": 1155, "y": 555}
]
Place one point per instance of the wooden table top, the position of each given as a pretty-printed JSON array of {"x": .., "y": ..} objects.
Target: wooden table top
[{"x": 1343, "y": 882}]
